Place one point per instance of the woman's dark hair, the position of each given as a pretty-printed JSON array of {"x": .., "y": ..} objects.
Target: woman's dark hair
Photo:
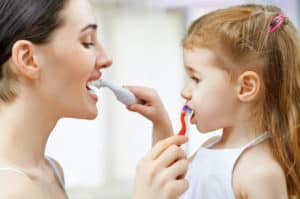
[{"x": 32, "y": 20}]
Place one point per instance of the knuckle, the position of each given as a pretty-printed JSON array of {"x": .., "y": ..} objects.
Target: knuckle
[
  {"x": 183, "y": 154},
  {"x": 152, "y": 170},
  {"x": 152, "y": 93},
  {"x": 160, "y": 143},
  {"x": 161, "y": 179},
  {"x": 176, "y": 150}
]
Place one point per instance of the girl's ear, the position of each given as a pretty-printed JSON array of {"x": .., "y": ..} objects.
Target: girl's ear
[
  {"x": 23, "y": 60},
  {"x": 248, "y": 86}
]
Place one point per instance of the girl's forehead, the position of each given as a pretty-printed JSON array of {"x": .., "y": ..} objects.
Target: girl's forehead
[{"x": 199, "y": 57}]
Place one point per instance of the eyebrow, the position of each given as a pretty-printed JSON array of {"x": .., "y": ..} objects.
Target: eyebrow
[
  {"x": 189, "y": 68},
  {"x": 192, "y": 70},
  {"x": 89, "y": 26}
]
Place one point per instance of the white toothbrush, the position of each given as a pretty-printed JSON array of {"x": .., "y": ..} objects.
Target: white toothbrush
[{"x": 122, "y": 94}]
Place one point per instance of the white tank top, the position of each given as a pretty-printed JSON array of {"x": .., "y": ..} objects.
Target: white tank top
[
  {"x": 210, "y": 172},
  {"x": 51, "y": 162}
]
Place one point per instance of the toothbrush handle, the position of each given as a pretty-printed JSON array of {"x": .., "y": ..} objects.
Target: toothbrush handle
[
  {"x": 126, "y": 97},
  {"x": 122, "y": 94},
  {"x": 183, "y": 124}
]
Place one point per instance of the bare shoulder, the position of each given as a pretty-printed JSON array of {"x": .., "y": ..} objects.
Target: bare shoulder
[
  {"x": 259, "y": 176},
  {"x": 18, "y": 186},
  {"x": 206, "y": 143}
]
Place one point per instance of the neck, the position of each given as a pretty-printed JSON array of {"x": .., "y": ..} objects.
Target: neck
[
  {"x": 25, "y": 128},
  {"x": 240, "y": 133}
]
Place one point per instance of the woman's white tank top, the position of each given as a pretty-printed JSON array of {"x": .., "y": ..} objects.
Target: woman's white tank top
[
  {"x": 210, "y": 172},
  {"x": 51, "y": 162}
]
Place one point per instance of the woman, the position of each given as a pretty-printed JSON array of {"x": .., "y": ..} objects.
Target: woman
[{"x": 48, "y": 53}]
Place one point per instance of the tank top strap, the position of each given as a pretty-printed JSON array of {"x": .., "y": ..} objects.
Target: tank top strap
[
  {"x": 14, "y": 170},
  {"x": 257, "y": 140},
  {"x": 213, "y": 142},
  {"x": 56, "y": 171}
]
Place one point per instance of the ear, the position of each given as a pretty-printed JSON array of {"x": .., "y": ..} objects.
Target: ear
[
  {"x": 23, "y": 59},
  {"x": 248, "y": 86}
]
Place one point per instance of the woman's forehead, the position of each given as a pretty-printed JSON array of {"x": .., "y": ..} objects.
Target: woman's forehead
[{"x": 78, "y": 13}]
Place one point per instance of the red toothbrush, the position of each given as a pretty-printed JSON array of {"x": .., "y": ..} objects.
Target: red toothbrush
[{"x": 185, "y": 114}]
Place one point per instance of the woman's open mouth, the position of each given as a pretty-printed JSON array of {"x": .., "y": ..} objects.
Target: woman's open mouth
[{"x": 92, "y": 90}]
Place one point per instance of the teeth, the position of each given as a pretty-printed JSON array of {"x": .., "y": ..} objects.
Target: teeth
[
  {"x": 92, "y": 91},
  {"x": 91, "y": 86}
]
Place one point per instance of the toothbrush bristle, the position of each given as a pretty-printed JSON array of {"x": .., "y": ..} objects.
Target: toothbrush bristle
[
  {"x": 96, "y": 83},
  {"x": 186, "y": 109}
]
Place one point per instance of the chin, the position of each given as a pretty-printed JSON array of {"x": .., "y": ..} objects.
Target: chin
[
  {"x": 91, "y": 115},
  {"x": 205, "y": 130},
  {"x": 87, "y": 115}
]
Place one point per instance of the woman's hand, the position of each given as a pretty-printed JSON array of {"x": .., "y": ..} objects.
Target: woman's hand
[
  {"x": 154, "y": 110},
  {"x": 160, "y": 174}
]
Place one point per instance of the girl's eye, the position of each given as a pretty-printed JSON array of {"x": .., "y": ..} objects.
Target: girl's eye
[
  {"x": 88, "y": 44},
  {"x": 195, "y": 79}
]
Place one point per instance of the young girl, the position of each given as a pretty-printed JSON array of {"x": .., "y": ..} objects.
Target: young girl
[
  {"x": 48, "y": 53},
  {"x": 244, "y": 69}
]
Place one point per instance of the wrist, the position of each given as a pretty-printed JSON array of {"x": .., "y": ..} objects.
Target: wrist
[{"x": 160, "y": 132}]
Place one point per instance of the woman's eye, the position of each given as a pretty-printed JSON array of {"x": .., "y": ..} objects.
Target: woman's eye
[{"x": 88, "y": 44}]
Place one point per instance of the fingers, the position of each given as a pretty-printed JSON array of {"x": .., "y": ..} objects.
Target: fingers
[
  {"x": 146, "y": 94},
  {"x": 162, "y": 145},
  {"x": 140, "y": 108},
  {"x": 176, "y": 188},
  {"x": 151, "y": 102},
  {"x": 170, "y": 155},
  {"x": 178, "y": 169}
]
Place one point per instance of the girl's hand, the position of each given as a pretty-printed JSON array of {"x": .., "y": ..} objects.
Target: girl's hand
[
  {"x": 154, "y": 110},
  {"x": 160, "y": 174}
]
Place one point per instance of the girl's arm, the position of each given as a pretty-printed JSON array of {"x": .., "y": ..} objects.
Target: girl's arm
[
  {"x": 154, "y": 110},
  {"x": 262, "y": 182}
]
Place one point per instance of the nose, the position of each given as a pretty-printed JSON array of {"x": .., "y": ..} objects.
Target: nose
[
  {"x": 186, "y": 93},
  {"x": 103, "y": 60}
]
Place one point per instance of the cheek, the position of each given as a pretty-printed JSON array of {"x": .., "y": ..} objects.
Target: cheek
[
  {"x": 76, "y": 56},
  {"x": 212, "y": 104},
  {"x": 73, "y": 62},
  {"x": 66, "y": 69}
]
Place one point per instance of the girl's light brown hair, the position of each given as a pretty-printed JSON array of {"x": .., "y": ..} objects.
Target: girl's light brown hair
[{"x": 239, "y": 35}]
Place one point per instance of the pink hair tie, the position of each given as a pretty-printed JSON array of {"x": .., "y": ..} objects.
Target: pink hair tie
[{"x": 276, "y": 22}]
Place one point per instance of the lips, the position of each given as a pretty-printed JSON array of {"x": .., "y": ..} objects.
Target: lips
[
  {"x": 95, "y": 77},
  {"x": 91, "y": 79},
  {"x": 193, "y": 118}
]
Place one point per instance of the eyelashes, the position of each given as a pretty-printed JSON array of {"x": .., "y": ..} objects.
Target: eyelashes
[
  {"x": 195, "y": 79},
  {"x": 88, "y": 44}
]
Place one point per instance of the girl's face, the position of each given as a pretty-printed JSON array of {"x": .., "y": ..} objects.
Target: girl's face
[
  {"x": 209, "y": 92},
  {"x": 71, "y": 59}
]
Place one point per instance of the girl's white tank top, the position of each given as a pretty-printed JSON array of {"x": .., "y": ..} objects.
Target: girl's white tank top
[{"x": 210, "y": 172}]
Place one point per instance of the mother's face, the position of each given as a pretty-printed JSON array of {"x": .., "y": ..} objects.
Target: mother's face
[{"x": 73, "y": 57}]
